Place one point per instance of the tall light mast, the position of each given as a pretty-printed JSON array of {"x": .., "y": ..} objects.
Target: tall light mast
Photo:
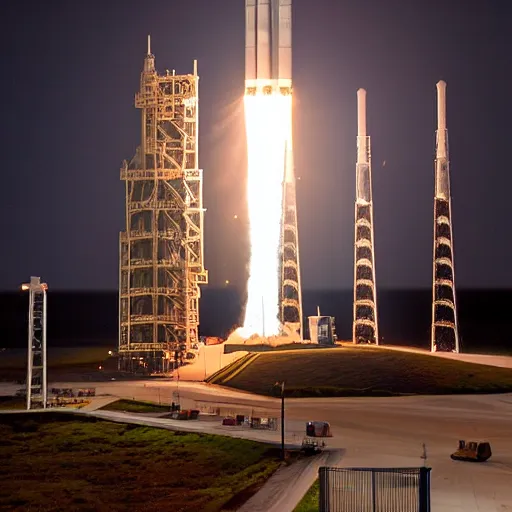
[
  {"x": 161, "y": 250},
  {"x": 37, "y": 386},
  {"x": 365, "y": 323},
  {"x": 444, "y": 334}
]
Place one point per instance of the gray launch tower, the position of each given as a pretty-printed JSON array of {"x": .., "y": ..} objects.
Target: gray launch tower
[
  {"x": 365, "y": 325},
  {"x": 445, "y": 335},
  {"x": 161, "y": 251}
]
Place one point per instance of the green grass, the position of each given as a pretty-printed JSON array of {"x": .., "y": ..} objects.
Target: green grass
[
  {"x": 58, "y": 461},
  {"x": 311, "y": 500},
  {"x": 135, "y": 406},
  {"x": 367, "y": 371}
]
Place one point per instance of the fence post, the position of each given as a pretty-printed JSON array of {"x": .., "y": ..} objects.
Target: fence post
[
  {"x": 323, "y": 477},
  {"x": 374, "y": 497},
  {"x": 424, "y": 491}
]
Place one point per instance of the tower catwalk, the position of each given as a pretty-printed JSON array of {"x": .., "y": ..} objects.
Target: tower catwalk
[
  {"x": 365, "y": 324},
  {"x": 290, "y": 285},
  {"x": 161, "y": 251},
  {"x": 445, "y": 336}
]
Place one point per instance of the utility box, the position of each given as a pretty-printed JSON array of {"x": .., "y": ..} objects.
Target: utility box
[
  {"x": 321, "y": 330},
  {"x": 318, "y": 429}
]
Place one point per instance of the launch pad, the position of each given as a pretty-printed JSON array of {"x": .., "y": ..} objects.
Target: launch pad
[{"x": 161, "y": 250}]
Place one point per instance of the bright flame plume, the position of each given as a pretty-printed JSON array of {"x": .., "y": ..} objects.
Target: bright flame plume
[{"x": 268, "y": 122}]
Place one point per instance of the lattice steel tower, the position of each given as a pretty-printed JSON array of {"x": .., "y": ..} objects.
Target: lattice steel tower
[
  {"x": 290, "y": 289},
  {"x": 161, "y": 251},
  {"x": 37, "y": 387},
  {"x": 365, "y": 324},
  {"x": 445, "y": 335}
]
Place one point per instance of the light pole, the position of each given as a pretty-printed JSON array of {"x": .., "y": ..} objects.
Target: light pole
[
  {"x": 37, "y": 387},
  {"x": 282, "y": 418}
]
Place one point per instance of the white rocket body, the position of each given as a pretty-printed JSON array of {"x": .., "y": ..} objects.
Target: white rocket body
[
  {"x": 442, "y": 163},
  {"x": 268, "y": 46}
]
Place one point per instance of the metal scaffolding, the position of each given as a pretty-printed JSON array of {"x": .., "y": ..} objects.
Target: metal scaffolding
[
  {"x": 161, "y": 251},
  {"x": 290, "y": 287},
  {"x": 37, "y": 387},
  {"x": 444, "y": 335},
  {"x": 365, "y": 323}
]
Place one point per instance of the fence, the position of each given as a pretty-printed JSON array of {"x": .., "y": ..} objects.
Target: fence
[{"x": 374, "y": 489}]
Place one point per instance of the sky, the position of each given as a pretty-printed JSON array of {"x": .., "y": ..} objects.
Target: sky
[{"x": 70, "y": 70}]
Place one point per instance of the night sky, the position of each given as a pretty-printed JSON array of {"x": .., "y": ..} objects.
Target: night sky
[{"x": 70, "y": 70}]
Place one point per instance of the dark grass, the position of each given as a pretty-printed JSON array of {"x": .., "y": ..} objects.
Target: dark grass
[
  {"x": 12, "y": 402},
  {"x": 55, "y": 461},
  {"x": 135, "y": 406},
  {"x": 64, "y": 364},
  {"x": 367, "y": 371},
  {"x": 57, "y": 356},
  {"x": 311, "y": 500}
]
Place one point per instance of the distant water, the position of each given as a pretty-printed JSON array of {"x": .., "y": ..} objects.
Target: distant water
[{"x": 76, "y": 318}]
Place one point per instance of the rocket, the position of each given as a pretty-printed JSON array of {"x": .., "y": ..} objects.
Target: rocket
[
  {"x": 268, "y": 46},
  {"x": 363, "y": 178},
  {"x": 442, "y": 168}
]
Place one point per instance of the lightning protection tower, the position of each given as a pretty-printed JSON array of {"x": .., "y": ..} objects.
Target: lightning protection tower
[
  {"x": 445, "y": 335},
  {"x": 37, "y": 387},
  {"x": 290, "y": 289},
  {"x": 365, "y": 325},
  {"x": 161, "y": 251}
]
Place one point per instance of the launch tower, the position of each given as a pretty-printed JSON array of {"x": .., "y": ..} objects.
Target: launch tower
[
  {"x": 290, "y": 288},
  {"x": 444, "y": 336},
  {"x": 161, "y": 251},
  {"x": 365, "y": 325}
]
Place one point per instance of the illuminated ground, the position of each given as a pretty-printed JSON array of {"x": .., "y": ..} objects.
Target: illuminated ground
[
  {"x": 380, "y": 432},
  {"x": 367, "y": 371}
]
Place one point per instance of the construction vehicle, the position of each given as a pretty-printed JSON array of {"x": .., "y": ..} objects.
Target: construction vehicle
[{"x": 472, "y": 451}]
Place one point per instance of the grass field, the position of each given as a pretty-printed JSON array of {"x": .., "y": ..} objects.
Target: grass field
[
  {"x": 64, "y": 363},
  {"x": 135, "y": 406},
  {"x": 58, "y": 461},
  {"x": 57, "y": 356},
  {"x": 311, "y": 500},
  {"x": 367, "y": 371}
]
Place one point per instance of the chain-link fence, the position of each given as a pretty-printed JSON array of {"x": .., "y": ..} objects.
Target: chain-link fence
[{"x": 374, "y": 489}]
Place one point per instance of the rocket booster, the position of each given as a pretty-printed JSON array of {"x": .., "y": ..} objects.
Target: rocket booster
[
  {"x": 268, "y": 46},
  {"x": 442, "y": 169},
  {"x": 363, "y": 179}
]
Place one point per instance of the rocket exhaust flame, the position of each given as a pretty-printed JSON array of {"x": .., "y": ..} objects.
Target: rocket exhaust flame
[
  {"x": 268, "y": 120},
  {"x": 268, "y": 129}
]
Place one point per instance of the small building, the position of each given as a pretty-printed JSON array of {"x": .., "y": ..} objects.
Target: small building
[{"x": 321, "y": 330}]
